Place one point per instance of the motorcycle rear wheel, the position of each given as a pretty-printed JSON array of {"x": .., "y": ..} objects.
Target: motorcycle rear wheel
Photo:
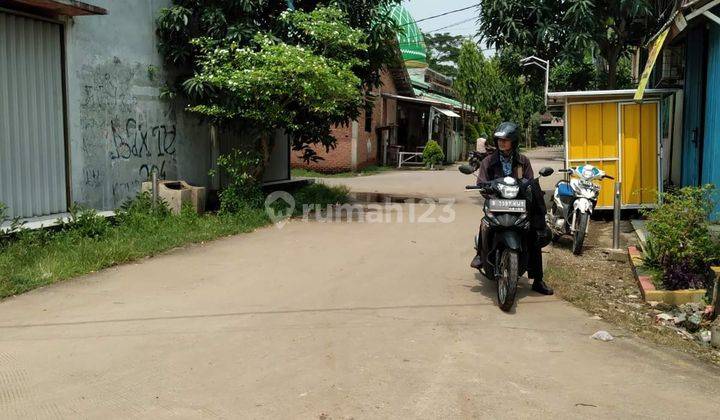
[{"x": 508, "y": 279}]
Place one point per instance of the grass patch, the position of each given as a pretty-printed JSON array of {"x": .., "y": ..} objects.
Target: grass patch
[
  {"x": 368, "y": 170},
  {"x": 37, "y": 258},
  {"x": 31, "y": 259}
]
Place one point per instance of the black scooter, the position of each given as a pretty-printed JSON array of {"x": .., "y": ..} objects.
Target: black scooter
[{"x": 505, "y": 227}]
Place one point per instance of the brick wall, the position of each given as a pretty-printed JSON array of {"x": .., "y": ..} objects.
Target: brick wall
[{"x": 340, "y": 158}]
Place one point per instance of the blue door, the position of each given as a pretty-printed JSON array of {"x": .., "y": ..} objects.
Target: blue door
[
  {"x": 711, "y": 141},
  {"x": 693, "y": 105}
]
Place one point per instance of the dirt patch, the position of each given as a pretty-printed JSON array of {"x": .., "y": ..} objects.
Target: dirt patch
[{"x": 607, "y": 289}]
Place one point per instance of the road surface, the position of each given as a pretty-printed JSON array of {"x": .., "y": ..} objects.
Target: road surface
[{"x": 329, "y": 320}]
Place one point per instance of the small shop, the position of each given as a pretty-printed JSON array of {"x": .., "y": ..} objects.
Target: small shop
[{"x": 629, "y": 140}]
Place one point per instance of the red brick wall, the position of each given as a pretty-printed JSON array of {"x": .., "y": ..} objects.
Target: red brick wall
[{"x": 340, "y": 158}]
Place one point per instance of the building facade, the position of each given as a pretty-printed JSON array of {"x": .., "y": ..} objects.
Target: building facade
[{"x": 81, "y": 115}]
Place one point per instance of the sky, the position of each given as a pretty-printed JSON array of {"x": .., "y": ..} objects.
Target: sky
[{"x": 425, "y": 8}]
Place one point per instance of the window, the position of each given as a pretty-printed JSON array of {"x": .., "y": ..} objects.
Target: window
[{"x": 368, "y": 118}]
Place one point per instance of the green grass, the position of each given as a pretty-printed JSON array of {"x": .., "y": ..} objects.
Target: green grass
[
  {"x": 368, "y": 170},
  {"x": 31, "y": 259},
  {"x": 37, "y": 258}
]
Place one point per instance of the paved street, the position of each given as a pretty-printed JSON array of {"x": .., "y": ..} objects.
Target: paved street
[{"x": 330, "y": 320}]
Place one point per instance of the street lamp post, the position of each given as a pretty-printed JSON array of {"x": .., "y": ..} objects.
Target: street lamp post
[{"x": 543, "y": 64}]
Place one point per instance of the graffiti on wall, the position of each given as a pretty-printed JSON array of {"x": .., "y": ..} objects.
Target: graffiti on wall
[{"x": 127, "y": 131}]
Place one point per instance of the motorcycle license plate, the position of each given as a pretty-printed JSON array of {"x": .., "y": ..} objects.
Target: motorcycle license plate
[{"x": 506, "y": 206}]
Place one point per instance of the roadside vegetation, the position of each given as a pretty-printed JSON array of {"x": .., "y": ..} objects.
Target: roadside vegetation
[
  {"x": 680, "y": 248},
  {"x": 608, "y": 290},
  {"x": 89, "y": 242},
  {"x": 368, "y": 170}
]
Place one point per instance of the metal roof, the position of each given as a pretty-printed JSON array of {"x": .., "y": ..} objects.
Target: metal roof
[{"x": 560, "y": 98}]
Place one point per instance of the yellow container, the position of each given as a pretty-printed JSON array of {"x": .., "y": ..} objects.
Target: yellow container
[{"x": 607, "y": 129}]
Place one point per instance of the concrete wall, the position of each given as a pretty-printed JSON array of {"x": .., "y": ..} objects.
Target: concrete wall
[{"x": 119, "y": 128}]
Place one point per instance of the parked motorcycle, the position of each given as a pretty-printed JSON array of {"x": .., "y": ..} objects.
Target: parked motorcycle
[
  {"x": 475, "y": 157},
  {"x": 506, "y": 227},
  {"x": 573, "y": 204}
]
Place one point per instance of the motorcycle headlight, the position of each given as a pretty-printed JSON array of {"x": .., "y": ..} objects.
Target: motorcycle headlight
[{"x": 508, "y": 191}]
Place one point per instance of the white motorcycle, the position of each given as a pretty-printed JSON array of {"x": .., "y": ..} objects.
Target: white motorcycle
[{"x": 573, "y": 204}]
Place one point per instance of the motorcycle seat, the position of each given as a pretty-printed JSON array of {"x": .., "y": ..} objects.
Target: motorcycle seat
[{"x": 564, "y": 189}]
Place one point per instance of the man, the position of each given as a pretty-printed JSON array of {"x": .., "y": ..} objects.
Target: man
[
  {"x": 480, "y": 145},
  {"x": 507, "y": 161}
]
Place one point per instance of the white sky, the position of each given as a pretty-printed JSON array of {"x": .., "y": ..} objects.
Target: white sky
[{"x": 425, "y": 8}]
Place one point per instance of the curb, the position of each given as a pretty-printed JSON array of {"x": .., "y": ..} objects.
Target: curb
[{"x": 648, "y": 290}]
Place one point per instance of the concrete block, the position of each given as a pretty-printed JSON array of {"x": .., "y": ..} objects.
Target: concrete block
[{"x": 176, "y": 194}]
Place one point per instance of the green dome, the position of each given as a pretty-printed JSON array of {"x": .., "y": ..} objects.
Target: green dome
[{"x": 412, "y": 43}]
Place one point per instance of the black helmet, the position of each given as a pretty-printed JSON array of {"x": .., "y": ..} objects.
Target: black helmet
[{"x": 507, "y": 130}]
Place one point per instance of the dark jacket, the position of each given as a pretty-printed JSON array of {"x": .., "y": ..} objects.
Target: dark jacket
[{"x": 491, "y": 168}]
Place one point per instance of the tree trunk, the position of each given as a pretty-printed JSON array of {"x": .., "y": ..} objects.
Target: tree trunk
[{"x": 612, "y": 60}]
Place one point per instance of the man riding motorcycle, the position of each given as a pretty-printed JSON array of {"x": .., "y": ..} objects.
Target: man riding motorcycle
[{"x": 507, "y": 161}]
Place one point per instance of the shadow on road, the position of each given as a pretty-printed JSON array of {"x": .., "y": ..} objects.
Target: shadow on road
[{"x": 488, "y": 288}]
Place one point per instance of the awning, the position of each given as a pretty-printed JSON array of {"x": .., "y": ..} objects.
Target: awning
[
  {"x": 60, "y": 7},
  {"x": 414, "y": 100},
  {"x": 446, "y": 112}
]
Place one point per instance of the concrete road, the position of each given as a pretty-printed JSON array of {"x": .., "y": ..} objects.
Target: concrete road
[{"x": 329, "y": 320}]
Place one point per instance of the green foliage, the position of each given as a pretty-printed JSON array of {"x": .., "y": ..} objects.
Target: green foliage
[
  {"x": 140, "y": 211},
  {"x": 471, "y": 133},
  {"x": 3, "y": 212},
  {"x": 443, "y": 52},
  {"x": 367, "y": 170},
  {"x": 279, "y": 86},
  {"x": 321, "y": 195},
  {"x": 469, "y": 82},
  {"x": 554, "y": 137},
  {"x": 85, "y": 223},
  {"x": 495, "y": 94},
  {"x": 32, "y": 259},
  {"x": 242, "y": 190},
  {"x": 573, "y": 74},
  {"x": 433, "y": 154},
  {"x": 680, "y": 238},
  {"x": 240, "y": 62},
  {"x": 558, "y": 29}
]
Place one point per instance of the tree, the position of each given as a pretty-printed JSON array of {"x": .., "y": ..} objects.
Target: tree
[
  {"x": 614, "y": 27},
  {"x": 443, "y": 52},
  {"x": 333, "y": 54},
  {"x": 469, "y": 82},
  {"x": 495, "y": 94},
  {"x": 560, "y": 29}
]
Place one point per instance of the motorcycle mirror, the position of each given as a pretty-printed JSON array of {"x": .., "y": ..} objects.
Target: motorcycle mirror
[
  {"x": 466, "y": 169},
  {"x": 546, "y": 171}
]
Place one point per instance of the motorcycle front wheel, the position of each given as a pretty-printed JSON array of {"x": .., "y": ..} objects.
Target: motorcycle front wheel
[
  {"x": 508, "y": 279},
  {"x": 581, "y": 228}
]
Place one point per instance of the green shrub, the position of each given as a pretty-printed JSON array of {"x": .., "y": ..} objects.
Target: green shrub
[
  {"x": 3, "y": 212},
  {"x": 243, "y": 188},
  {"x": 554, "y": 137},
  {"x": 321, "y": 195},
  {"x": 85, "y": 223},
  {"x": 680, "y": 239},
  {"x": 471, "y": 133},
  {"x": 433, "y": 154}
]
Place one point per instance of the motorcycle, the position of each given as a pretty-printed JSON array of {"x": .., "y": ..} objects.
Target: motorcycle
[
  {"x": 505, "y": 229},
  {"x": 573, "y": 204},
  {"x": 475, "y": 157}
]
